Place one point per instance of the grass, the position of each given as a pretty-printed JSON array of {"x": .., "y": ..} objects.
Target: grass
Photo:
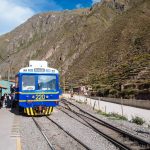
[
  {"x": 80, "y": 102},
  {"x": 119, "y": 117},
  {"x": 113, "y": 115},
  {"x": 137, "y": 120}
]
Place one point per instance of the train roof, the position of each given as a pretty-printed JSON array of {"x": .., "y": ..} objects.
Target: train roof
[
  {"x": 42, "y": 70},
  {"x": 38, "y": 67}
]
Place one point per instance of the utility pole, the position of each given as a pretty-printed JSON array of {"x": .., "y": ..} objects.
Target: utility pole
[
  {"x": 64, "y": 84},
  {"x": 9, "y": 66},
  {"x": 62, "y": 73},
  {"x": 63, "y": 79},
  {"x": 8, "y": 73}
]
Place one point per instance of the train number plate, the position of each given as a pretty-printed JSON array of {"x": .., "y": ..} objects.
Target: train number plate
[{"x": 40, "y": 97}]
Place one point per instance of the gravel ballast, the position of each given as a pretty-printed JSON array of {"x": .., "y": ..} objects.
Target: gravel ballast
[
  {"x": 59, "y": 139},
  {"x": 138, "y": 130},
  {"x": 31, "y": 137},
  {"x": 85, "y": 134}
]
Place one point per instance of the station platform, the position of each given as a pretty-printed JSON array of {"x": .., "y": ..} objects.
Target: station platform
[{"x": 9, "y": 140}]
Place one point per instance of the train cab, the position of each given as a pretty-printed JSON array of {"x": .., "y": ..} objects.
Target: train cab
[{"x": 37, "y": 88}]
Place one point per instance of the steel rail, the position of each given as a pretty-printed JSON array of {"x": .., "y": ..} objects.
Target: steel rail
[
  {"x": 115, "y": 142},
  {"x": 132, "y": 137},
  {"x": 109, "y": 125},
  {"x": 38, "y": 126},
  {"x": 72, "y": 116},
  {"x": 71, "y": 135}
]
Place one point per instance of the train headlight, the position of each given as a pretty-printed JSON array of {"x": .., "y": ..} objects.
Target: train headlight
[
  {"x": 33, "y": 96},
  {"x": 46, "y": 96}
]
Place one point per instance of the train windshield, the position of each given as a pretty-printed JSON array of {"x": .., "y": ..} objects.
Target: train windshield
[
  {"x": 46, "y": 82},
  {"x": 28, "y": 82}
]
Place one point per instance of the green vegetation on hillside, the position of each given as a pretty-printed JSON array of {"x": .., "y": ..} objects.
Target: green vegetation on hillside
[{"x": 106, "y": 46}]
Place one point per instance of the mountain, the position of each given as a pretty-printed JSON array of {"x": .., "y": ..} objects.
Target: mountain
[{"x": 106, "y": 46}]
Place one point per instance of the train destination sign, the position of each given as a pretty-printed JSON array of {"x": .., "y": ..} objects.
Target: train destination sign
[{"x": 39, "y": 70}]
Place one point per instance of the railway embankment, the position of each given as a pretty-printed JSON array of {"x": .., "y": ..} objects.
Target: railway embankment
[
  {"x": 144, "y": 104},
  {"x": 122, "y": 107}
]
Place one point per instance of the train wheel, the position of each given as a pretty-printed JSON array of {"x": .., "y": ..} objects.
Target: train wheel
[{"x": 21, "y": 110}]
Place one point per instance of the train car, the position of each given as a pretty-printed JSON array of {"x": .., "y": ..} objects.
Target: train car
[{"x": 37, "y": 89}]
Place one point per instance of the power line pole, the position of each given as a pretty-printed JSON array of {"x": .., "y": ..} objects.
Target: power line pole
[
  {"x": 64, "y": 84},
  {"x": 8, "y": 73},
  {"x": 62, "y": 73}
]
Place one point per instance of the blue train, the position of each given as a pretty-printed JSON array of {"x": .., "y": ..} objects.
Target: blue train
[{"x": 37, "y": 89}]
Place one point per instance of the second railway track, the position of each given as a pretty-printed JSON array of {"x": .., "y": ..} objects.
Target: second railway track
[{"x": 120, "y": 138}]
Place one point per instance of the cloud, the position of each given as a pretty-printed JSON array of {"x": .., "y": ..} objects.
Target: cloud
[
  {"x": 12, "y": 15},
  {"x": 95, "y": 1},
  {"x": 39, "y": 5},
  {"x": 78, "y": 6}
]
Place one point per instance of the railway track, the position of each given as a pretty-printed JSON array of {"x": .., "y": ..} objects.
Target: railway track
[
  {"x": 60, "y": 127},
  {"x": 120, "y": 138},
  {"x": 71, "y": 135},
  {"x": 46, "y": 138}
]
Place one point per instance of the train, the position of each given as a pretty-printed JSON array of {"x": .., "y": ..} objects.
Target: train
[{"x": 37, "y": 89}]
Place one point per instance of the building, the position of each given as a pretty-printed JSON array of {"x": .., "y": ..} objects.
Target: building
[
  {"x": 1, "y": 89},
  {"x": 5, "y": 86}
]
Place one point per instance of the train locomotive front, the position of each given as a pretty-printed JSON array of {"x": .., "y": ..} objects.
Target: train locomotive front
[{"x": 37, "y": 89}]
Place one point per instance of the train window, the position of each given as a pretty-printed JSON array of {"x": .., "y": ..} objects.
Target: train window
[
  {"x": 28, "y": 82},
  {"x": 46, "y": 82}
]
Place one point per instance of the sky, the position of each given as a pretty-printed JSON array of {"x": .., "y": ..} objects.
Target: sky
[{"x": 15, "y": 12}]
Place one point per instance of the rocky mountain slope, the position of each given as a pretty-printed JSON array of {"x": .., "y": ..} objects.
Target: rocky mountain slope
[{"x": 106, "y": 46}]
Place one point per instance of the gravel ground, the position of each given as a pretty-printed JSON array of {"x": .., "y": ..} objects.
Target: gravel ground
[
  {"x": 31, "y": 137},
  {"x": 140, "y": 131},
  {"x": 85, "y": 134},
  {"x": 58, "y": 138}
]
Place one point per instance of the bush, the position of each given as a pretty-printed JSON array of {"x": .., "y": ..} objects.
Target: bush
[
  {"x": 103, "y": 113},
  {"x": 113, "y": 93},
  {"x": 120, "y": 117},
  {"x": 103, "y": 92},
  {"x": 115, "y": 115},
  {"x": 128, "y": 93},
  {"x": 137, "y": 120}
]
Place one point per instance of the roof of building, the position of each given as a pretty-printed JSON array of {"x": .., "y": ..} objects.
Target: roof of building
[{"x": 2, "y": 87}]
